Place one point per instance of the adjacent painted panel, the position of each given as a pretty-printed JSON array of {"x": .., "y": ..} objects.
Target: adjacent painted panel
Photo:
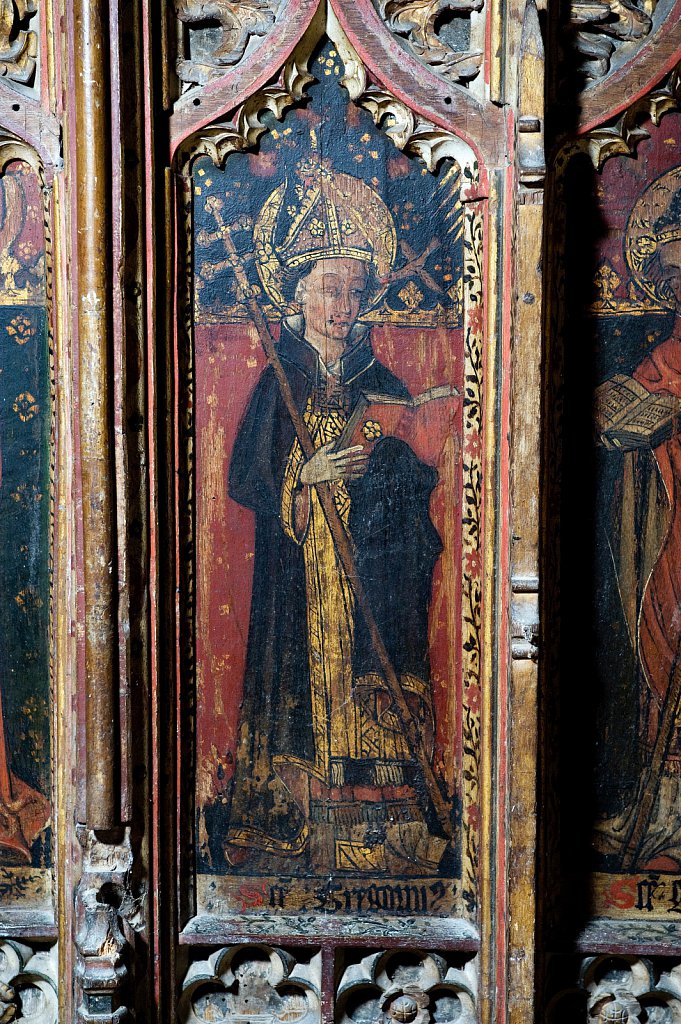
[
  {"x": 25, "y": 540},
  {"x": 621, "y": 525}
]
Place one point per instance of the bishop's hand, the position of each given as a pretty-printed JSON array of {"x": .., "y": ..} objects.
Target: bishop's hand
[{"x": 326, "y": 465}]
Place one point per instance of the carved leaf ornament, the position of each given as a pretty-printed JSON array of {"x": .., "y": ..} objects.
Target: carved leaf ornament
[
  {"x": 597, "y": 27},
  {"x": 238, "y": 22},
  {"x": 409, "y": 132},
  {"x": 18, "y": 44},
  {"x": 417, "y": 21},
  {"x": 621, "y": 136}
]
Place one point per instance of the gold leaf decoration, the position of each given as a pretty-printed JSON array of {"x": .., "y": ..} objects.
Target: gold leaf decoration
[
  {"x": 21, "y": 329},
  {"x": 26, "y": 406}
]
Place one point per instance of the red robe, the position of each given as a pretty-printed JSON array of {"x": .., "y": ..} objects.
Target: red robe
[{"x": 660, "y": 614}]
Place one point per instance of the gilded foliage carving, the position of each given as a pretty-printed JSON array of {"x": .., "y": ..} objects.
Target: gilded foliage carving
[
  {"x": 222, "y": 47},
  {"x": 621, "y": 136},
  {"x": 18, "y": 41},
  {"x": 598, "y": 27},
  {"x": 428, "y": 27},
  {"x": 408, "y": 131}
]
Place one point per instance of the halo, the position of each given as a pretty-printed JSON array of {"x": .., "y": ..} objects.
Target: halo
[
  {"x": 641, "y": 240},
  {"x": 374, "y": 219}
]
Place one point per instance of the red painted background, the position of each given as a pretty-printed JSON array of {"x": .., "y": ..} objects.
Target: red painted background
[{"x": 228, "y": 362}]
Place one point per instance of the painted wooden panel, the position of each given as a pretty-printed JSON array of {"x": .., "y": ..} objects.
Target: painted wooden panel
[
  {"x": 25, "y": 539},
  {"x": 621, "y": 529},
  {"x": 310, "y": 795}
]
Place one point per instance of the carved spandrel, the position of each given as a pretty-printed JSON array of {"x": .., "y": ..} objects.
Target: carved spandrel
[
  {"x": 438, "y": 32},
  {"x": 398, "y": 987},
  {"x": 245, "y": 983},
  {"x": 28, "y": 984},
  {"x": 219, "y": 33},
  {"x": 410, "y": 133}
]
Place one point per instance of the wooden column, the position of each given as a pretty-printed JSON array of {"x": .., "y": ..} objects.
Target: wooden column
[
  {"x": 525, "y": 517},
  {"x": 94, "y": 272}
]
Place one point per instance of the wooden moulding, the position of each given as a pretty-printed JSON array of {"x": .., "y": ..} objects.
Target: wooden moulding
[
  {"x": 480, "y": 125},
  {"x": 93, "y": 258}
]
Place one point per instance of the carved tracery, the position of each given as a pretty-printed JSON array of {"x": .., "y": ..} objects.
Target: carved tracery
[
  {"x": 18, "y": 40},
  {"x": 409, "y": 132},
  {"x": 252, "y": 982},
  {"x": 611, "y": 989},
  {"x": 28, "y": 984},
  {"x": 407, "y": 988},
  {"x": 438, "y": 32},
  {"x": 219, "y": 33}
]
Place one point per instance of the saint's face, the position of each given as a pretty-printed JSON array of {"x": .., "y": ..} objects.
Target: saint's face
[
  {"x": 670, "y": 269},
  {"x": 331, "y": 297}
]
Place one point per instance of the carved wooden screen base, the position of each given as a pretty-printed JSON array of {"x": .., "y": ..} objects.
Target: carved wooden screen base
[{"x": 333, "y": 381}]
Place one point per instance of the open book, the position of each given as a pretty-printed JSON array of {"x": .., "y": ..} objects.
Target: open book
[
  {"x": 628, "y": 416},
  {"x": 423, "y": 422}
]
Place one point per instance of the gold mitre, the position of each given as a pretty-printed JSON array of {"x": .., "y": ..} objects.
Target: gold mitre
[{"x": 333, "y": 215}]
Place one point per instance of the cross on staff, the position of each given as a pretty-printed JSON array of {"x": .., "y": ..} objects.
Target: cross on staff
[
  {"x": 415, "y": 266},
  {"x": 339, "y": 534}
]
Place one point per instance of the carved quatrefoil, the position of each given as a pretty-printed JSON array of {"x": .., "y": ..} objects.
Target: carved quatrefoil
[
  {"x": 407, "y": 988},
  {"x": 260, "y": 984}
]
